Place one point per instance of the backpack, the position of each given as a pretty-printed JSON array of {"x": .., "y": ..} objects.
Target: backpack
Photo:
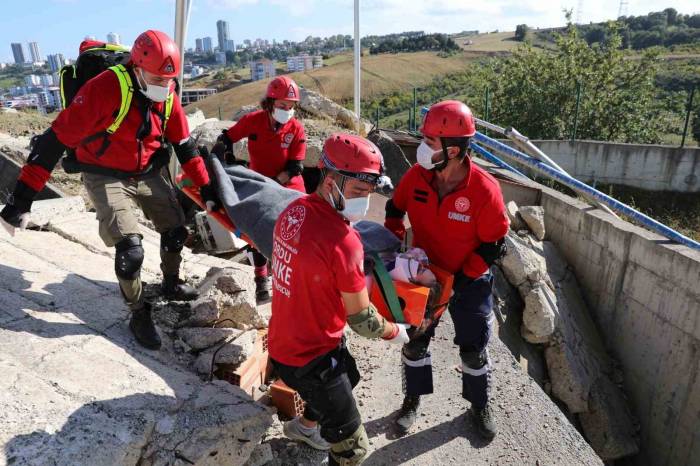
[{"x": 94, "y": 58}]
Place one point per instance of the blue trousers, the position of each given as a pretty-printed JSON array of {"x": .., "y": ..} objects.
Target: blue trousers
[{"x": 471, "y": 309}]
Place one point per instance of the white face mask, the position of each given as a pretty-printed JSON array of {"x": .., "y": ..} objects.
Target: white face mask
[
  {"x": 282, "y": 116},
  {"x": 424, "y": 156},
  {"x": 355, "y": 208},
  {"x": 153, "y": 92}
]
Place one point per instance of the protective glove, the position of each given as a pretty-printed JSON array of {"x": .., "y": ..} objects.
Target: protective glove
[
  {"x": 210, "y": 197},
  {"x": 12, "y": 217},
  {"x": 400, "y": 335}
]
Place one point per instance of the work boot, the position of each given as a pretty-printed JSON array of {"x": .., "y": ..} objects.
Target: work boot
[
  {"x": 262, "y": 289},
  {"x": 175, "y": 289},
  {"x": 485, "y": 424},
  {"x": 295, "y": 430},
  {"x": 408, "y": 413},
  {"x": 141, "y": 325}
]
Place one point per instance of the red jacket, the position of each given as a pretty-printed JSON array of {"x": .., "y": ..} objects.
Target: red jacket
[
  {"x": 449, "y": 230},
  {"x": 92, "y": 110},
  {"x": 271, "y": 149}
]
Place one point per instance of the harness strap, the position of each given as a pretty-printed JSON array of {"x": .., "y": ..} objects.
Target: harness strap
[{"x": 387, "y": 288}]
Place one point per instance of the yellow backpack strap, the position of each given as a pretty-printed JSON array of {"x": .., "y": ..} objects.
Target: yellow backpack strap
[
  {"x": 168, "y": 110},
  {"x": 63, "y": 71},
  {"x": 126, "y": 87}
]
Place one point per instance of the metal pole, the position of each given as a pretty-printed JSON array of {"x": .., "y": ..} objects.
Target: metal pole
[
  {"x": 579, "y": 187},
  {"x": 578, "y": 103},
  {"x": 358, "y": 49},
  {"x": 182, "y": 18},
  {"x": 409, "y": 119},
  {"x": 487, "y": 97},
  {"x": 415, "y": 108},
  {"x": 687, "y": 115},
  {"x": 377, "y": 118}
]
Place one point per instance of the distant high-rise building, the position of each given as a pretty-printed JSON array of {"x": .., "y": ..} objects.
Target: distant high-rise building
[
  {"x": 261, "y": 69},
  {"x": 32, "y": 80},
  {"x": 207, "y": 45},
  {"x": 56, "y": 61},
  {"x": 220, "y": 58},
  {"x": 46, "y": 80},
  {"x": 222, "y": 31},
  {"x": 230, "y": 46},
  {"x": 113, "y": 38},
  {"x": 19, "y": 53},
  {"x": 34, "y": 52},
  {"x": 198, "y": 47}
]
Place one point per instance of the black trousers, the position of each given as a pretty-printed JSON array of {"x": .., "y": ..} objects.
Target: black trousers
[{"x": 326, "y": 384}]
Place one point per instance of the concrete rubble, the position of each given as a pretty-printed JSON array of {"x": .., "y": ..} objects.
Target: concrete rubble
[
  {"x": 533, "y": 215},
  {"x": 555, "y": 315},
  {"x": 395, "y": 160},
  {"x": 516, "y": 221},
  {"x": 76, "y": 387}
]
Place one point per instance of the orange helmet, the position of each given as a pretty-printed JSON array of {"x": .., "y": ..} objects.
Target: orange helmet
[
  {"x": 157, "y": 53},
  {"x": 449, "y": 119},
  {"x": 283, "y": 88}
]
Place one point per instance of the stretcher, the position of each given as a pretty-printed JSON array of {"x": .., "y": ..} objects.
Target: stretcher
[{"x": 397, "y": 301}]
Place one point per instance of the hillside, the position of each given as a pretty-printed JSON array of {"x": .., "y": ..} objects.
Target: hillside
[{"x": 381, "y": 74}]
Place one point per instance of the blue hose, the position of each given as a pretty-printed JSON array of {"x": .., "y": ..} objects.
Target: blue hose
[
  {"x": 495, "y": 160},
  {"x": 573, "y": 183}
]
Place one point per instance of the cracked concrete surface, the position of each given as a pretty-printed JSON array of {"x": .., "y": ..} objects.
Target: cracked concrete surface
[{"x": 75, "y": 388}]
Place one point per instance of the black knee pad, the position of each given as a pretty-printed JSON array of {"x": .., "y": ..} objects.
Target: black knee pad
[
  {"x": 173, "y": 240},
  {"x": 474, "y": 359},
  {"x": 416, "y": 349},
  {"x": 129, "y": 257}
]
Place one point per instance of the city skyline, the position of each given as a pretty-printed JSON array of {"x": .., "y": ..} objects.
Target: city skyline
[{"x": 272, "y": 20}]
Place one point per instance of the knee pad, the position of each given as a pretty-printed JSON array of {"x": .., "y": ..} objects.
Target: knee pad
[
  {"x": 415, "y": 349},
  {"x": 351, "y": 451},
  {"x": 129, "y": 257},
  {"x": 173, "y": 240},
  {"x": 474, "y": 362}
]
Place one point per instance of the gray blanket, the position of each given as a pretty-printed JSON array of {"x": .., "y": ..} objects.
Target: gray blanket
[{"x": 253, "y": 202}]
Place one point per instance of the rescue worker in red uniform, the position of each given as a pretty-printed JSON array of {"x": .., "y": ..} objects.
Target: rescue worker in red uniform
[
  {"x": 318, "y": 286},
  {"x": 458, "y": 217},
  {"x": 277, "y": 149},
  {"x": 119, "y": 168}
]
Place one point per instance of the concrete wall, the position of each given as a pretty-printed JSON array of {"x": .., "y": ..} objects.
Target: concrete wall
[
  {"x": 9, "y": 172},
  {"x": 651, "y": 167},
  {"x": 645, "y": 293}
]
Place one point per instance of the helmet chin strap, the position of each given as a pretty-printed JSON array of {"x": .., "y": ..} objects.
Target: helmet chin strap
[{"x": 445, "y": 159}]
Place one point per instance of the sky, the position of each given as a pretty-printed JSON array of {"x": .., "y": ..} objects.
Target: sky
[{"x": 60, "y": 25}]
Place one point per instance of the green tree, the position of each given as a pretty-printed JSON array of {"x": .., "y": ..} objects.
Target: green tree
[
  {"x": 535, "y": 91},
  {"x": 521, "y": 32}
]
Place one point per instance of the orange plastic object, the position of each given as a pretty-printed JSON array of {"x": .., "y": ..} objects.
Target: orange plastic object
[
  {"x": 413, "y": 299},
  {"x": 185, "y": 184},
  {"x": 286, "y": 400},
  {"x": 446, "y": 280}
]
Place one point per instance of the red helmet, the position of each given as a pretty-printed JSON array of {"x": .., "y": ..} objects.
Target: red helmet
[
  {"x": 155, "y": 52},
  {"x": 283, "y": 88},
  {"x": 352, "y": 156},
  {"x": 449, "y": 119}
]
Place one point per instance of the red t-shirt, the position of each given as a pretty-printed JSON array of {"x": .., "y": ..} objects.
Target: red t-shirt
[
  {"x": 450, "y": 230},
  {"x": 93, "y": 110},
  {"x": 315, "y": 256},
  {"x": 270, "y": 150}
]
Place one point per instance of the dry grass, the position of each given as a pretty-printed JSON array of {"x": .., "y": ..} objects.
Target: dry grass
[
  {"x": 380, "y": 74},
  {"x": 491, "y": 42},
  {"x": 24, "y": 123}
]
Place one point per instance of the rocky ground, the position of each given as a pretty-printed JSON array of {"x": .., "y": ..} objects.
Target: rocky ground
[{"x": 532, "y": 430}]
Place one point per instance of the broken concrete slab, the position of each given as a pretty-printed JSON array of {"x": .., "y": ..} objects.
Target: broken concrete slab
[
  {"x": 521, "y": 264},
  {"x": 321, "y": 106},
  {"x": 226, "y": 294},
  {"x": 233, "y": 353},
  {"x": 516, "y": 221},
  {"x": 78, "y": 390},
  {"x": 201, "y": 338},
  {"x": 608, "y": 423},
  {"x": 539, "y": 315},
  {"x": 195, "y": 119},
  {"x": 46, "y": 210},
  {"x": 262, "y": 455},
  {"x": 533, "y": 216}
]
